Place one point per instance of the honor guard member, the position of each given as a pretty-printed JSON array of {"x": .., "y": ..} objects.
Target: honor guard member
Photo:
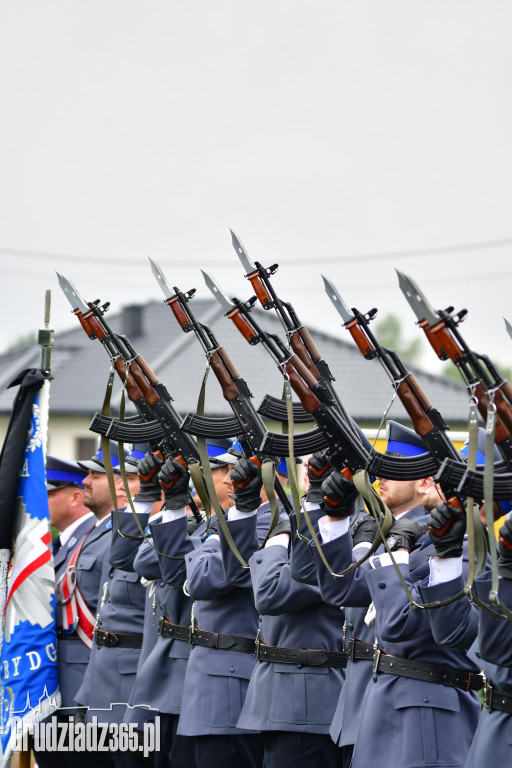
[
  {"x": 416, "y": 714},
  {"x": 297, "y": 680},
  {"x": 402, "y": 499},
  {"x": 162, "y": 665},
  {"x": 117, "y": 640},
  {"x": 222, "y": 631},
  {"x": 73, "y": 521},
  {"x": 462, "y": 622}
]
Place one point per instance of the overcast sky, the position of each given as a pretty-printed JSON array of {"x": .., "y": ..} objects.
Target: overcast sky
[{"x": 344, "y": 138}]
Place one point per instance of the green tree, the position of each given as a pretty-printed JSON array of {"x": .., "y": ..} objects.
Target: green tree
[{"x": 389, "y": 333}]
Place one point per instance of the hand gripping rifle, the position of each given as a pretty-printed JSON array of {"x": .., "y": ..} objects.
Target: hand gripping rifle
[
  {"x": 162, "y": 427},
  {"x": 345, "y": 449},
  {"x": 482, "y": 379},
  {"x": 247, "y": 423}
]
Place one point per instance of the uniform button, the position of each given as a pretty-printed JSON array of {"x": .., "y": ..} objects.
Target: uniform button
[
  {"x": 299, "y": 666},
  {"x": 351, "y": 626},
  {"x": 162, "y": 583},
  {"x": 232, "y": 669},
  {"x": 381, "y": 585},
  {"x": 426, "y": 699},
  {"x": 374, "y": 678},
  {"x": 258, "y": 559},
  {"x": 190, "y": 559}
]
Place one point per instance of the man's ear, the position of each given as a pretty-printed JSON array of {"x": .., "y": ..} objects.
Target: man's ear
[
  {"x": 425, "y": 485},
  {"x": 76, "y": 498}
]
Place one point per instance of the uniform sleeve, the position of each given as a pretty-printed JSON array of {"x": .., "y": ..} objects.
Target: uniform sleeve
[
  {"x": 275, "y": 591},
  {"x": 349, "y": 590},
  {"x": 172, "y": 541},
  {"x": 495, "y": 632},
  {"x": 245, "y": 536},
  {"x": 454, "y": 624},
  {"x": 206, "y": 579},
  {"x": 124, "y": 547}
]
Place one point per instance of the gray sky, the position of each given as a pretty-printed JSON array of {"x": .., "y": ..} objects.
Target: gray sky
[{"x": 339, "y": 137}]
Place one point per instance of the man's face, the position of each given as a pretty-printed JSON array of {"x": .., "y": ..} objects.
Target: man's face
[
  {"x": 432, "y": 497},
  {"x": 59, "y": 506},
  {"x": 224, "y": 485},
  {"x": 97, "y": 493},
  {"x": 133, "y": 486},
  {"x": 399, "y": 495}
]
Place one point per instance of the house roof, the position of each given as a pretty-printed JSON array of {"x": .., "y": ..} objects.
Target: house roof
[{"x": 80, "y": 367}]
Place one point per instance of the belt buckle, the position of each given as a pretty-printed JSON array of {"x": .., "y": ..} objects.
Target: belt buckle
[
  {"x": 488, "y": 695},
  {"x": 377, "y": 653},
  {"x": 108, "y": 639},
  {"x": 161, "y": 625},
  {"x": 351, "y": 649},
  {"x": 257, "y": 644}
]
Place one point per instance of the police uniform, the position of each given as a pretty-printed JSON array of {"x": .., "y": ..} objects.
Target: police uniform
[
  {"x": 216, "y": 680},
  {"x": 461, "y": 623},
  {"x": 292, "y": 704},
  {"x": 111, "y": 671},
  {"x": 404, "y": 721}
]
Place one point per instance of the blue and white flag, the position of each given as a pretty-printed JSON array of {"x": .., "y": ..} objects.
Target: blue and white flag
[{"x": 28, "y": 671}]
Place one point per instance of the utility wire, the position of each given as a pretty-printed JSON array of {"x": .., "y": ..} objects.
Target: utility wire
[{"x": 355, "y": 257}]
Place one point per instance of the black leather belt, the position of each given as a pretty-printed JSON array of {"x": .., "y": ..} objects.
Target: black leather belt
[
  {"x": 301, "y": 656},
  {"x": 358, "y": 649},
  {"x": 418, "y": 670},
  {"x": 196, "y": 636},
  {"x": 114, "y": 639},
  {"x": 496, "y": 699},
  {"x": 422, "y": 670}
]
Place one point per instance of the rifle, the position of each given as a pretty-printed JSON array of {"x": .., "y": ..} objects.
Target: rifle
[
  {"x": 249, "y": 427},
  {"x": 299, "y": 338},
  {"x": 427, "y": 420},
  {"x": 345, "y": 449},
  {"x": 480, "y": 375},
  {"x": 149, "y": 396}
]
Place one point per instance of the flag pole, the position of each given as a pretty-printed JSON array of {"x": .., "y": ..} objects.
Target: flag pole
[{"x": 45, "y": 340}]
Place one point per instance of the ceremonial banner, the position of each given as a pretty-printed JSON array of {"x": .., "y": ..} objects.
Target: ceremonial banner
[{"x": 28, "y": 671}]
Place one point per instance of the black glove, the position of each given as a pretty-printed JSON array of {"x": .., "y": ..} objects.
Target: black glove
[
  {"x": 403, "y": 533},
  {"x": 148, "y": 468},
  {"x": 282, "y": 527},
  {"x": 318, "y": 470},
  {"x": 246, "y": 478},
  {"x": 174, "y": 479},
  {"x": 365, "y": 529},
  {"x": 505, "y": 548},
  {"x": 339, "y": 495},
  {"x": 447, "y": 526}
]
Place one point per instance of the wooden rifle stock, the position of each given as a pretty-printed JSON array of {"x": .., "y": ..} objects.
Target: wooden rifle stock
[
  {"x": 229, "y": 388},
  {"x": 309, "y": 343},
  {"x": 260, "y": 290},
  {"x": 421, "y": 422},
  {"x": 360, "y": 339},
  {"x": 226, "y": 361},
  {"x": 150, "y": 395},
  {"x": 180, "y": 314},
  {"x": 309, "y": 400},
  {"x": 302, "y": 352},
  {"x": 501, "y": 432},
  {"x": 91, "y": 325},
  {"x": 442, "y": 341},
  {"x": 303, "y": 371},
  {"x": 132, "y": 389},
  {"x": 243, "y": 326}
]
